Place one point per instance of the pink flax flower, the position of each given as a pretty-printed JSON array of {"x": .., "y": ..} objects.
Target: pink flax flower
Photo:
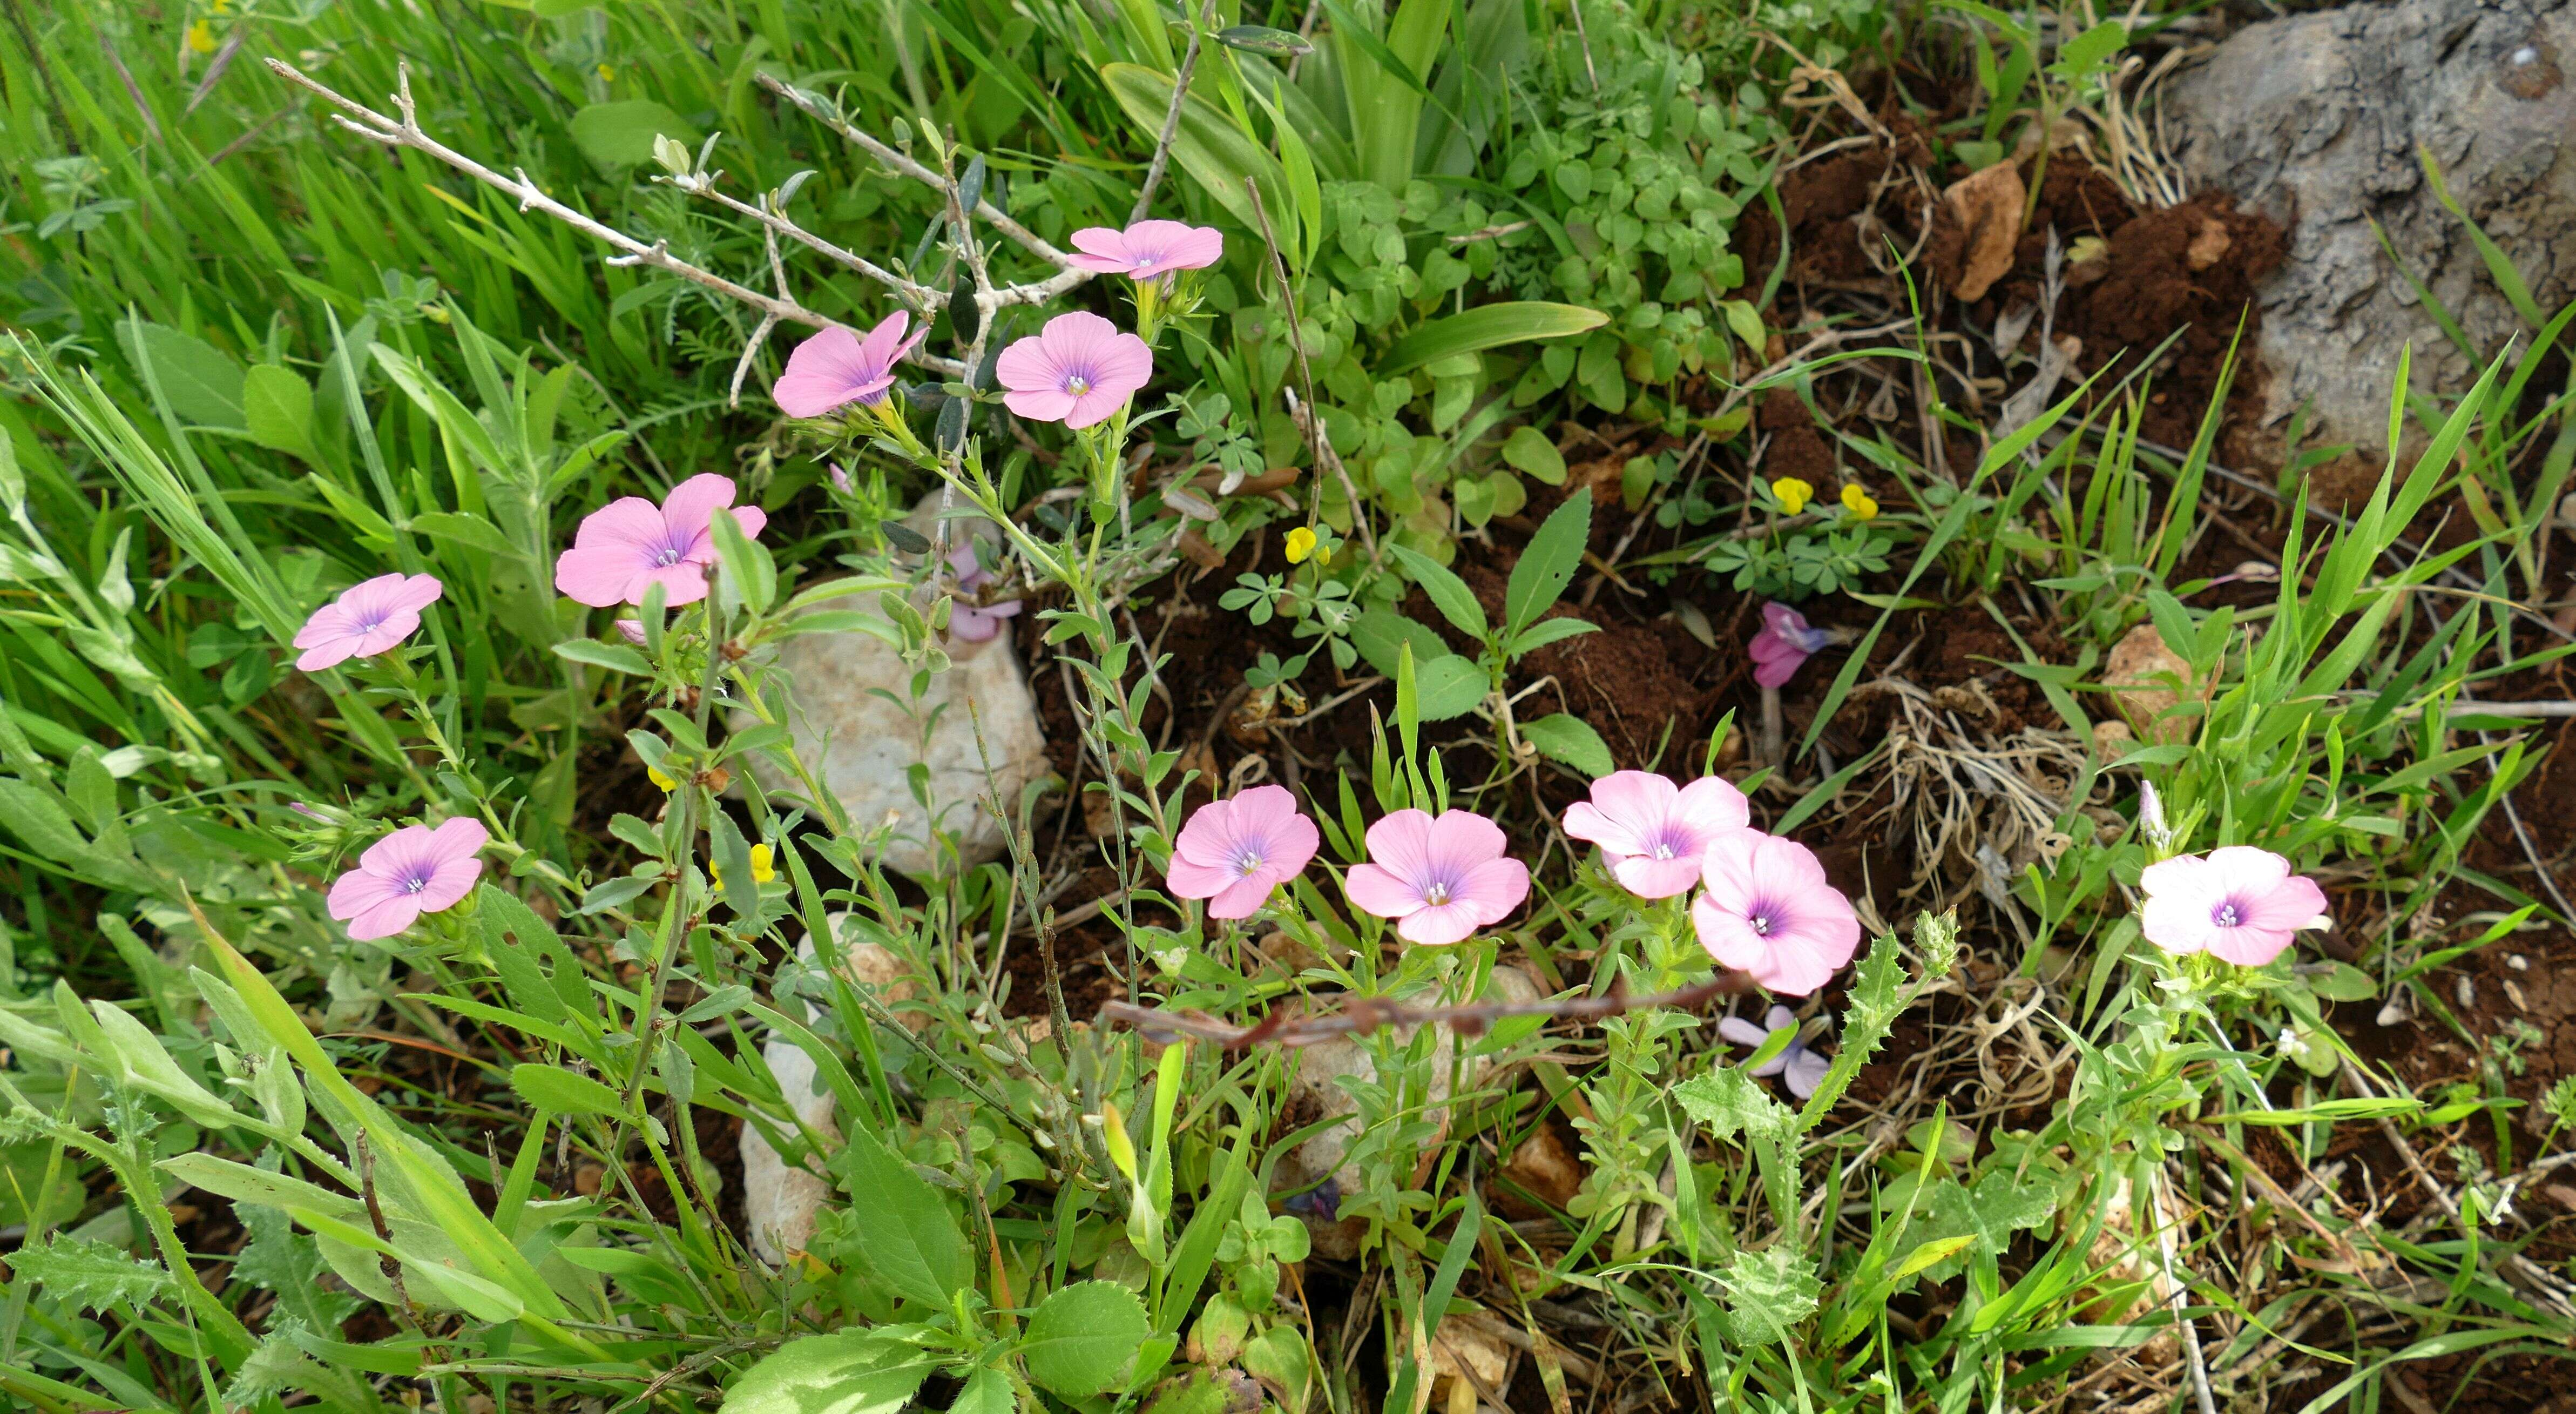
[
  {"x": 1234, "y": 852},
  {"x": 414, "y": 870},
  {"x": 1442, "y": 879},
  {"x": 1801, "y": 1069},
  {"x": 2238, "y": 904},
  {"x": 1768, "y": 912},
  {"x": 1784, "y": 645},
  {"x": 1148, "y": 249},
  {"x": 373, "y": 617},
  {"x": 836, "y": 368},
  {"x": 1653, "y": 831},
  {"x": 977, "y": 623},
  {"x": 626, "y": 545},
  {"x": 1079, "y": 370}
]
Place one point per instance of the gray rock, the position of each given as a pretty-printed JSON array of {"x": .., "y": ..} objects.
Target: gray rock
[
  {"x": 854, "y": 725},
  {"x": 2316, "y": 120}
]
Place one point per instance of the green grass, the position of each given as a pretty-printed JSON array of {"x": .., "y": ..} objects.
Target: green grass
[{"x": 247, "y": 1162}]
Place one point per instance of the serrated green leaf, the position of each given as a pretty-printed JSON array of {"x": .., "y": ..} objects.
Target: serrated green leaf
[
  {"x": 87, "y": 1273},
  {"x": 1083, "y": 1338},
  {"x": 904, "y": 1231},
  {"x": 1549, "y": 564},
  {"x": 1570, "y": 739},
  {"x": 854, "y": 1371},
  {"x": 277, "y": 409}
]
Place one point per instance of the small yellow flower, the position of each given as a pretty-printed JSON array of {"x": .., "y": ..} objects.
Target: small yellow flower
[
  {"x": 1324, "y": 555},
  {"x": 1301, "y": 543},
  {"x": 607, "y": 74},
  {"x": 763, "y": 866},
  {"x": 201, "y": 37},
  {"x": 1858, "y": 502},
  {"x": 1792, "y": 494},
  {"x": 660, "y": 782}
]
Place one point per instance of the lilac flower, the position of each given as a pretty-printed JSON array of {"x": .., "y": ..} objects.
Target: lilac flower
[
  {"x": 1234, "y": 852},
  {"x": 632, "y": 630},
  {"x": 2239, "y": 904},
  {"x": 1652, "y": 831},
  {"x": 1440, "y": 879},
  {"x": 1079, "y": 370},
  {"x": 1769, "y": 912},
  {"x": 625, "y": 546},
  {"x": 977, "y": 623},
  {"x": 414, "y": 870},
  {"x": 1148, "y": 249},
  {"x": 836, "y": 368},
  {"x": 1802, "y": 1069},
  {"x": 1785, "y": 643},
  {"x": 372, "y": 617}
]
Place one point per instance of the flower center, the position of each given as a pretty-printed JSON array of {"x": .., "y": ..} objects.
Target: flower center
[
  {"x": 1248, "y": 865},
  {"x": 371, "y": 623},
  {"x": 1663, "y": 849},
  {"x": 1436, "y": 894},
  {"x": 1762, "y": 923},
  {"x": 2224, "y": 915},
  {"x": 414, "y": 882},
  {"x": 667, "y": 555},
  {"x": 1076, "y": 385}
]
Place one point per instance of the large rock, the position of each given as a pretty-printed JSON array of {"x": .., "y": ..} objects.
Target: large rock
[
  {"x": 863, "y": 741},
  {"x": 2316, "y": 120}
]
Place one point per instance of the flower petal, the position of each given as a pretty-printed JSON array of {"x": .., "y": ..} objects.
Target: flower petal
[
  {"x": 1494, "y": 888},
  {"x": 1400, "y": 845},
  {"x": 1377, "y": 891}
]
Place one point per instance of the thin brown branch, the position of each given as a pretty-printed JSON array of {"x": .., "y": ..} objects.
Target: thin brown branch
[
  {"x": 1172, "y": 117},
  {"x": 1360, "y": 1015}
]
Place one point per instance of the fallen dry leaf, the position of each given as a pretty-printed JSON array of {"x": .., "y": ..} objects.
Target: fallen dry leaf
[{"x": 1987, "y": 206}]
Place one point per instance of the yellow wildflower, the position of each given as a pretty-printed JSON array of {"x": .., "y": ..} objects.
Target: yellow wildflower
[
  {"x": 660, "y": 782},
  {"x": 1792, "y": 494},
  {"x": 607, "y": 74},
  {"x": 1301, "y": 543},
  {"x": 1858, "y": 502},
  {"x": 763, "y": 866},
  {"x": 201, "y": 37}
]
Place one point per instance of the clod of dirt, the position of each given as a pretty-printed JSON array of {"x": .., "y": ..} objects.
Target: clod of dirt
[
  {"x": 2320, "y": 118},
  {"x": 1470, "y": 1361},
  {"x": 2148, "y": 680},
  {"x": 1543, "y": 1167},
  {"x": 1985, "y": 209}
]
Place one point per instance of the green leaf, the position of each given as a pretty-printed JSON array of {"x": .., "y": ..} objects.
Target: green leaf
[
  {"x": 558, "y": 1091},
  {"x": 853, "y": 1371},
  {"x": 988, "y": 1391},
  {"x": 903, "y": 1230},
  {"x": 2343, "y": 982},
  {"x": 1549, "y": 564},
  {"x": 621, "y": 134},
  {"x": 1570, "y": 739},
  {"x": 1208, "y": 145},
  {"x": 1729, "y": 1103},
  {"x": 278, "y": 1366},
  {"x": 290, "y": 1265},
  {"x": 1380, "y": 633},
  {"x": 202, "y": 382},
  {"x": 88, "y": 1274},
  {"x": 1448, "y": 686},
  {"x": 277, "y": 407},
  {"x": 1083, "y": 1338},
  {"x": 1484, "y": 327},
  {"x": 1531, "y": 451},
  {"x": 1449, "y": 594},
  {"x": 616, "y": 657},
  {"x": 1768, "y": 1290},
  {"x": 472, "y": 532},
  {"x": 1261, "y": 39}
]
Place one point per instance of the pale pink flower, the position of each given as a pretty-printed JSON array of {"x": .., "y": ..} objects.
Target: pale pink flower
[
  {"x": 836, "y": 368},
  {"x": 632, "y": 630},
  {"x": 1234, "y": 852},
  {"x": 373, "y": 617},
  {"x": 1148, "y": 248},
  {"x": 1080, "y": 369},
  {"x": 1441, "y": 880},
  {"x": 414, "y": 870},
  {"x": 972, "y": 622},
  {"x": 1768, "y": 912},
  {"x": 626, "y": 545},
  {"x": 1785, "y": 643},
  {"x": 1800, "y": 1068},
  {"x": 2239, "y": 904},
  {"x": 1653, "y": 831}
]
